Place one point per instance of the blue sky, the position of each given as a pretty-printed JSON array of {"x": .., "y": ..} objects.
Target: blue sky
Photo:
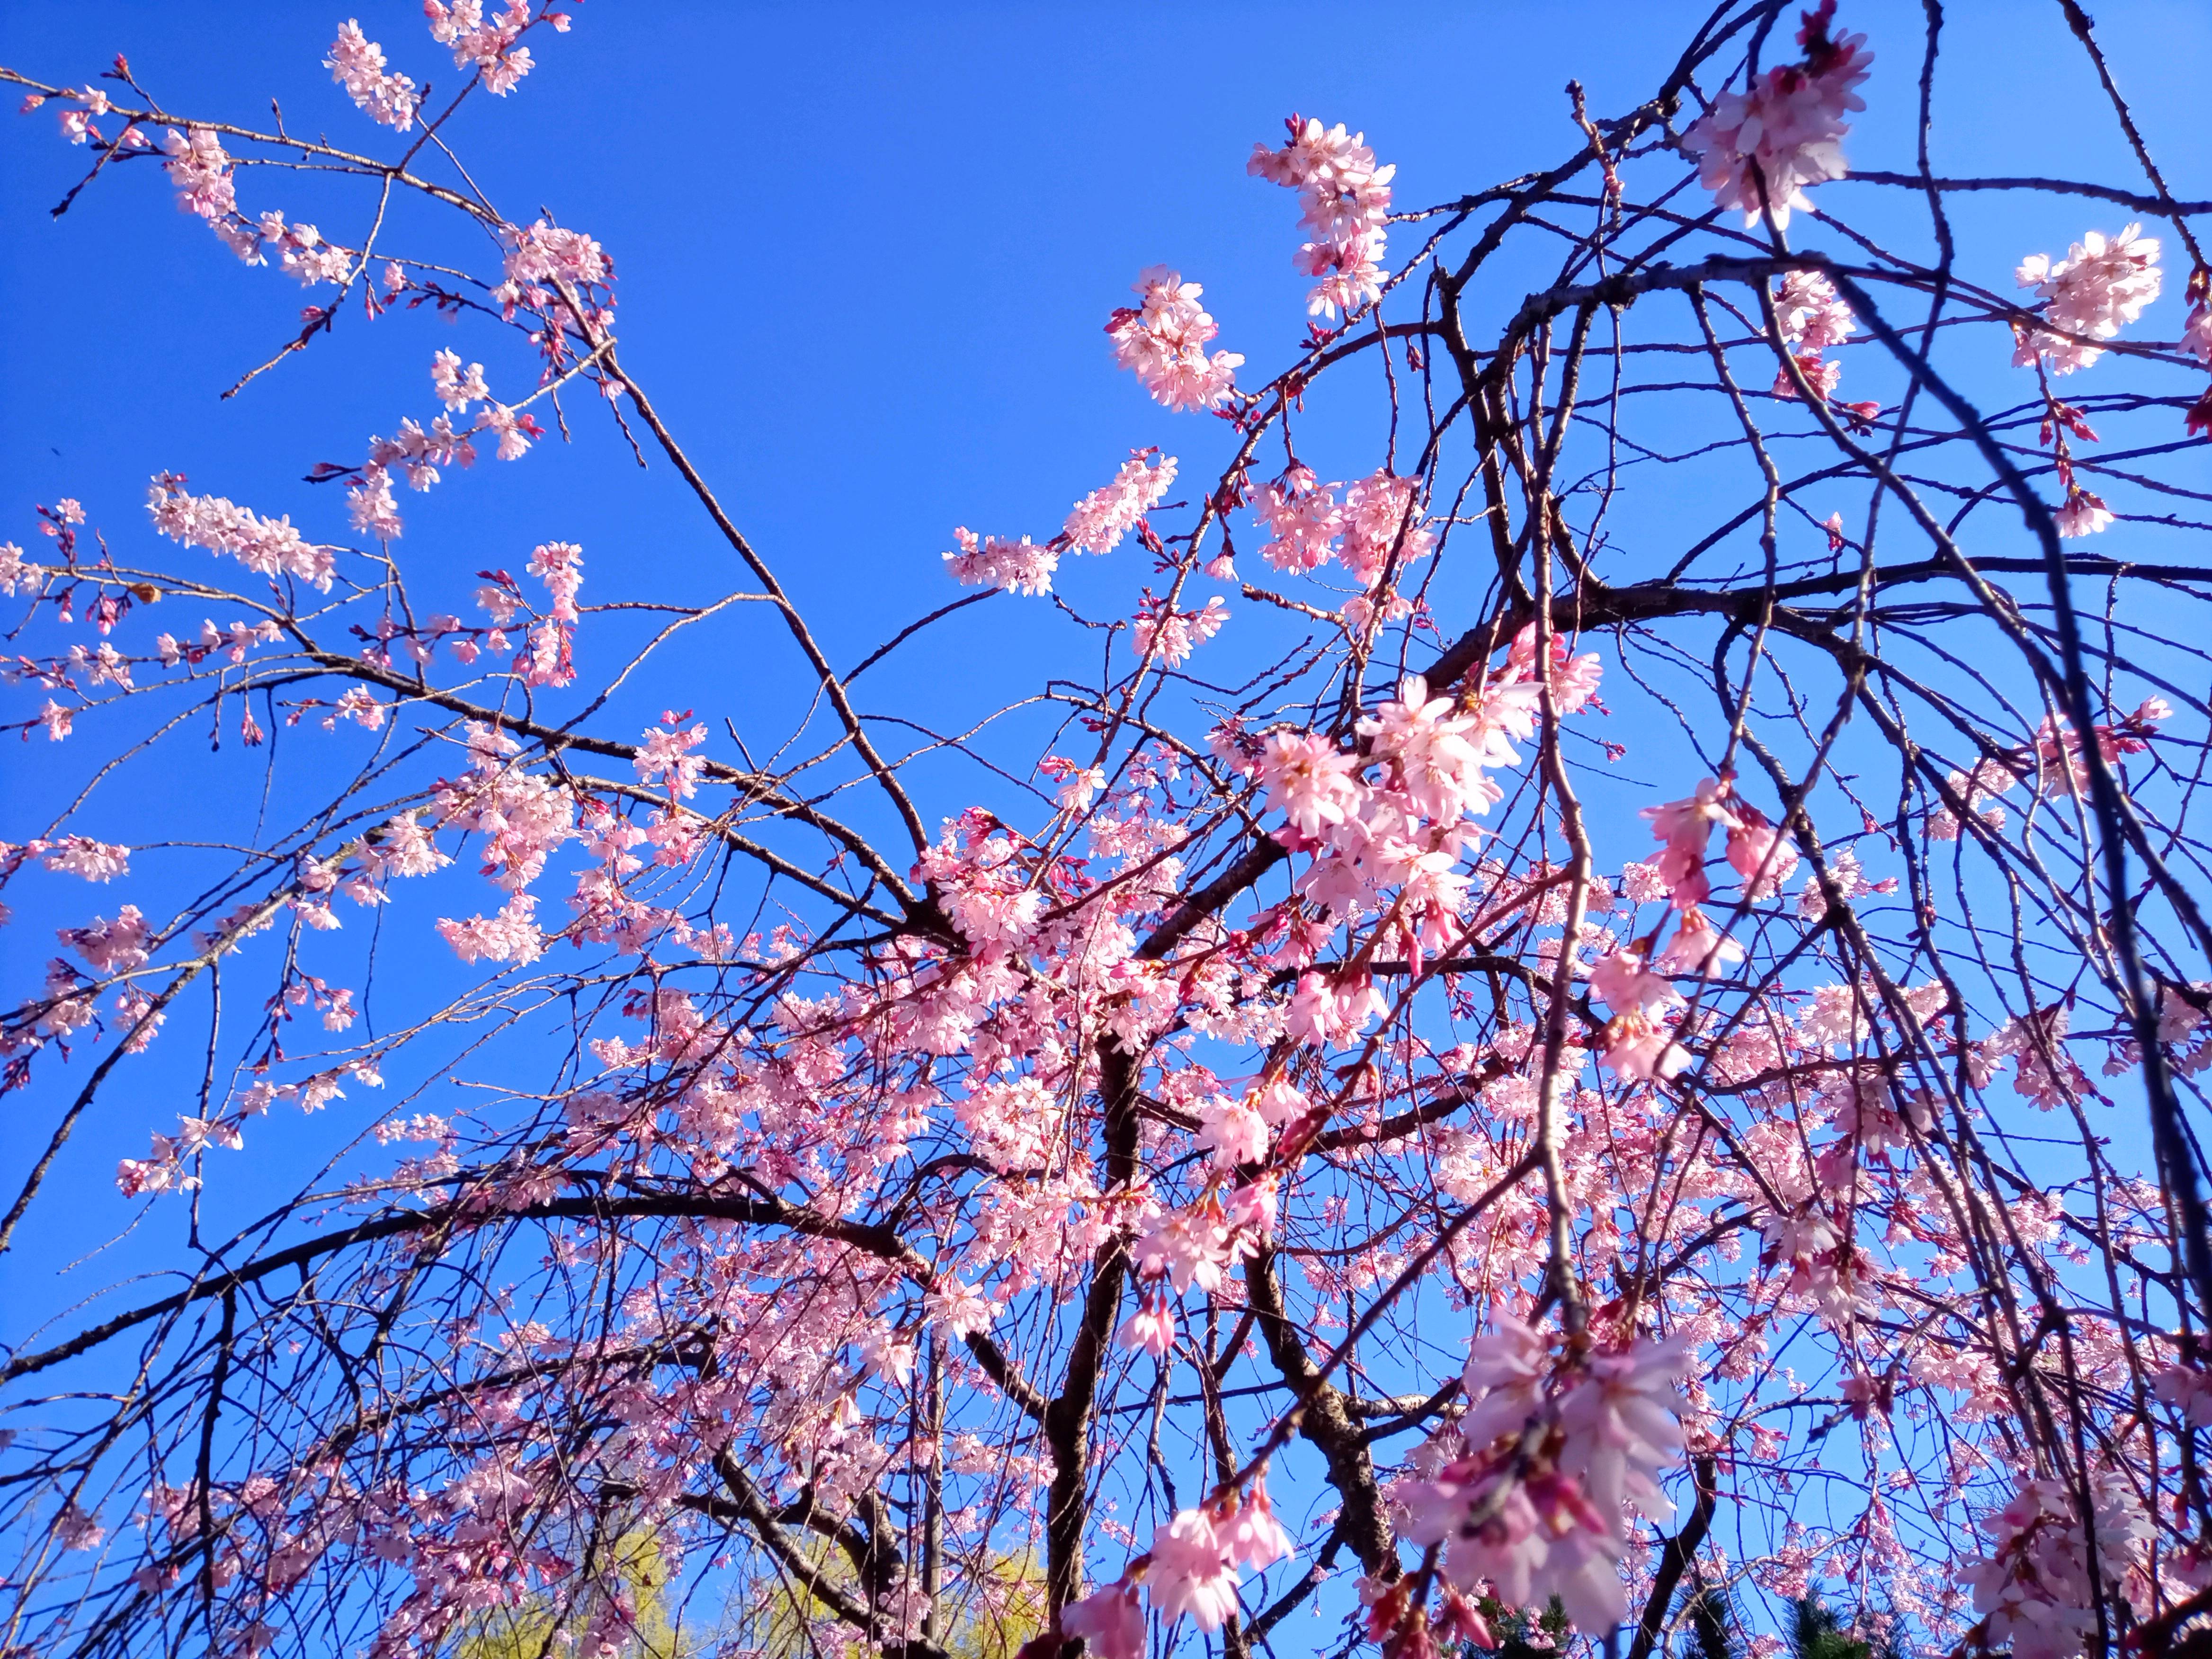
[
  {"x": 865, "y": 251},
  {"x": 865, "y": 255}
]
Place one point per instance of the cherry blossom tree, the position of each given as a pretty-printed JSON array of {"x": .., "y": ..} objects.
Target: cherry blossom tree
[{"x": 1352, "y": 1136}]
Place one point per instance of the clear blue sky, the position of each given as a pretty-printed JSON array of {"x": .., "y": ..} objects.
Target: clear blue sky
[{"x": 864, "y": 253}]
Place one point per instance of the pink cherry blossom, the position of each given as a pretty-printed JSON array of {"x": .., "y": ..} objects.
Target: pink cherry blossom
[
  {"x": 1506, "y": 1368},
  {"x": 356, "y": 63},
  {"x": 200, "y": 170},
  {"x": 2100, "y": 287},
  {"x": 486, "y": 44},
  {"x": 1234, "y": 1131},
  {"x": 1687, "y": 827},
  {"x": 110, "y": 947},
  {"x": 1429, "y": 748},
  {"x": 1018, "y": 567},
  {"x": 1558, "y": 1450},
  {"x": 1170, "y": 635},
  {"x": 1097, "y": 522},
  {"x": 1822, "y": 376},
  {"x": 510, "y": 936},
  {"x": 1303, "y": 520},
  {"x": 2188, "y": 1390},
  {"x": 1108, "y": 1621},
  {"x": 1257, "y": 1539},
  {"x": 1192, "y": 1571},
  {"x": 1347, "y": 202},
  {"x": 268, "y": 547},
  {"x": 1186, "y": 1246},
  {"x": 1624, "y": 981},
  {"x": 1381, "y": 525},
  {"x": 2033, "y": 1588},
  {"x": 2083, "y": 514},
  {"x": 82, "y": 855},
  {"x": 1164, "y": 341},
  {"x": 1328, "y": 1011},
  {"x": 1697, "y": 947},
  {"x": 664, "y": 757},
  {"x": 1761, "y": 856},
  {"x": 1639, "y": 1048},
  {"x": 1309, "y": 780},
  {"x": 1623, "y": 1428},
  {"x": 542, "y": 254},
  {"x": 1759, "y": 150},
  {"x": 1809, "y": 313},
  {"x": 1149, "y": 1329}
]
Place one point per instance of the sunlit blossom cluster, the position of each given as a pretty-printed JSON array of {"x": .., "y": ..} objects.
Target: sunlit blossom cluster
[
  {"x": 1373, "y": 527},
  {"x": 2036, "y": 1589},
  {"x": 1539, "y": 1483},
  {"x": 356, "y": 63},
  {"x": 1759, "y": 151},
  {"x": 1290, "y": 1028},
  {"x": 1192, "y": 1567},
  {"x": 1163, "y": 341},
  {"x": 1347, "y": 202},
  {"x": 2097, "y": 289},
  {"x": 485, "y": 41},
  {"x": 415, "y": 452},
  {"x": 541, "y": 257},
  {"x": 1811, "y": 317},
  {"x": 1170, "y": 635},
  {"x": 268, "y": 547},
  {"x": 1096, "y": 524}
]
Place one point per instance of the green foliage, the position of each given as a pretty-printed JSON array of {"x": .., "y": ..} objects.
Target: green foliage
[
  {"x": 1001, "y": 1613},
  {"x": 998, "y": 1604},
  {"x": 1709, "y": 1617},
  {"x": 1513, "y": 1629},
  {"x": 527, "y": 1631},
  {"x": 1817, "y": 1633},
  {"x": 778, "y": 1616}
]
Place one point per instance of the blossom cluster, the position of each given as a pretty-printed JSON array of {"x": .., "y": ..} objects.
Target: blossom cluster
[
  {"x": 1374, "y": 528},
  {"x": 1346, "y": 203},
  {"x": 1757, "y": 150},
  {"x": 522, "y": 820},
  {"x": 486, "y": 44},
  {"x": 416, "y": 453},
  {"x": 170, "y": 1165},
  {"x": 1539, "y": 1480},
  {"x": 87, "y": 104},
  {"x": 2054, "y": 762},
  {"x": 1192, "y": 1566},
  {"x": 1096, "y": 524},
  {"x": 2097, "y": 289},
  {"x": 201, "y": 170},
  {"x": 1811, "y": 317},
  {"x": 1404, "y": 831},
  {"x": 356, "y": 63},
  {"x": 1167, "y": 635},
  {"x": 1163, "y": 340},
  {"x": 1634, "y": 981},
  {"x": 1020, "y": 566},
  {"x": 542, "y": 255},
  {"x": 268, "y": 547},
  {"x": 2035, "y": 1588}
]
